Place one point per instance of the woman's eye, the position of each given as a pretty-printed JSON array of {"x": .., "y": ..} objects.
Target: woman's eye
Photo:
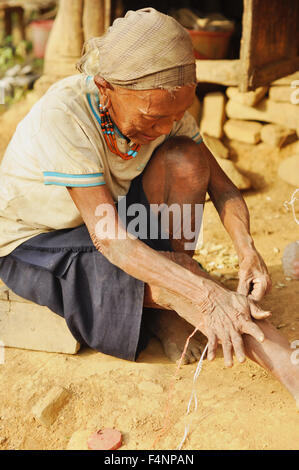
[{"x": 149, "y": 118}]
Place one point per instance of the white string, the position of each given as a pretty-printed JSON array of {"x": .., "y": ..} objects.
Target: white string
[
  {"x": 292, "y": 204},
  {"x": 193, "y": 396}
]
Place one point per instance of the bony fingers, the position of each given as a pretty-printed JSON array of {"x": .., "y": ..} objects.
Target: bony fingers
[
  {"x": 257, "y": 312},
  {"x": 258, "y": 292},
  {"x": 238, "y": 346},
  {"x": 227, "y": 353},
  {"x": 252, "y": 329},
  {"x": 243, "y": 287},
  {"x": 260, "y": 288}
]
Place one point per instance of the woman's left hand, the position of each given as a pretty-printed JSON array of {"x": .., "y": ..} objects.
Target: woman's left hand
[{"x": 254, "y": 279}]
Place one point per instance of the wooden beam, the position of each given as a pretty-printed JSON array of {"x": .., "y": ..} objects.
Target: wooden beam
[
  {"x": 271, "y": 72},
  {"x": 224, "y": 72}
]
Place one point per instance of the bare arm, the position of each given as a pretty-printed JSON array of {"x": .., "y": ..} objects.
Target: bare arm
[
  {"x": 230, "y": 205},
  {"x": 234, "y": 214},
  {"x": 219, "y": 313},
  {"x": 130, "y": 254}
]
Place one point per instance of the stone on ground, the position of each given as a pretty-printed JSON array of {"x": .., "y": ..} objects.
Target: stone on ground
[
  {"x": 27, "y": 325},
  {"x": 285, "y": 114},
  {"x": 281, "y": 93},
  {"x": 213, "y": 114},
  {"x": 249, "y": 98},
  {"x": 289, "y": 170},
  {"x": 46, "y": 410},
  {"x": 290, "y": 260},
  {"x": 215, "y": 146},
  {"x": 277, "y": 136},
  {"x": 244, "y": 131}
]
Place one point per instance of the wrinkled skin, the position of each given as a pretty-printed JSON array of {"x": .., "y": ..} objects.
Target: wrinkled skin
[
  {"x": 254, "y": 279},
  {"x": 182, "y": 172},
  {"x": 224, "y": 315},
  {"x": 145, "y": 113}
]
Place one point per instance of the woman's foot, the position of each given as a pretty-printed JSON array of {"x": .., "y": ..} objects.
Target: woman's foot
[{"x": 173, "y": 332}]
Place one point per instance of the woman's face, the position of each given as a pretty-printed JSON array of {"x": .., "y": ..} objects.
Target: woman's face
[{"x": 144, "y": 115}]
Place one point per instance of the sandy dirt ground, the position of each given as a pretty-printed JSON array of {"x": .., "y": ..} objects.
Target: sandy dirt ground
[{"x": 239, "y": 408}]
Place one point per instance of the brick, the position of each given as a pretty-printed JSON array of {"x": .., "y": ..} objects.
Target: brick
[
  {"x": 213, "y": 114},
  {"x": 289, "y": 170},
  {"x": 225, "y": 72},
  {"x": 31, "y": 326},
  {"x": 281, "y": 93},
  {"x": 249, "y": 98},
  {"x": 217, "y": 148},
  {"x": 244, "y": 131},
  {"x": 46, "y": 410},
  {"x": 277, "y": 136},
  {"x": 285, "y": 114}
]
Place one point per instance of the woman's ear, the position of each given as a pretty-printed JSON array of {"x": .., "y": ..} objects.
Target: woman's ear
[
  {"x": 104, "y": 88},
  {"x": 102, "y": 84}
]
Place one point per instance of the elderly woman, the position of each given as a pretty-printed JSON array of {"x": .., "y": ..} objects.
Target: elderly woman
[{"x": 122, "y": 129}]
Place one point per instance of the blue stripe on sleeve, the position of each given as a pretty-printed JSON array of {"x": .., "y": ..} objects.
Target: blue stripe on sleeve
[
  {"x": 195, "y": 135},
  {"x": 199, "y": 141},
  {"x": 75, "y": 184},
  {"x": 69, "y": 175}
]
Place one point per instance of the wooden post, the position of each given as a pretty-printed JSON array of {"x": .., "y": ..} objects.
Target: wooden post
[
  {"x": 93, "y": 18},
  {"x": 7, "y": 21},
  {"x": 66, "y": 40},
  {"x": 76, "y": 21}
]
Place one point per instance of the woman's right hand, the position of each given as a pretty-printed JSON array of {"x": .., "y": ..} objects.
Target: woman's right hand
[{"x": 225, "y": 316}]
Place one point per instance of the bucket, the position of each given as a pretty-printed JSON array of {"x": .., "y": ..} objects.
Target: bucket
[
  {"x": 210, "y": 44},
  {"x": 40, "y": 31}
]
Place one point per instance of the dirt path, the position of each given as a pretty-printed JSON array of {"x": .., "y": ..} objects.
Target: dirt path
[{"x": 239, "y": 408}]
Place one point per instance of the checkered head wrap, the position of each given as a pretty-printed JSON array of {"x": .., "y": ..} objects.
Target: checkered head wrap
[{"x": 143, "y": 50}]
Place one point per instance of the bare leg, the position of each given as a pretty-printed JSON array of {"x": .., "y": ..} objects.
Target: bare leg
[
  {"x": 273, "y": 354},
  {"x": 176, "y": 175}
]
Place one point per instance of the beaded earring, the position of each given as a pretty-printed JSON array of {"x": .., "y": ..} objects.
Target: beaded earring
[{"x": 109, "y": 135}]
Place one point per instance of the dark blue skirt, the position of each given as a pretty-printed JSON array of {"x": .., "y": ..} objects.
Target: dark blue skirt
[{"x": 102, "y": 305}]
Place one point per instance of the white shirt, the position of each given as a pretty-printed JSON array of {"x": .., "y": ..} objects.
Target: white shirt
[{"x": 58, "y": 144}]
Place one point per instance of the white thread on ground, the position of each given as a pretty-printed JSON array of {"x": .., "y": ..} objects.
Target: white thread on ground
[
  {"x": 193, "y": 396},
  {"x": 292, "y": 204}
]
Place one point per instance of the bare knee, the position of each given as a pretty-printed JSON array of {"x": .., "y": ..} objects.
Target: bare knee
[{"x": 186, "y": 164}]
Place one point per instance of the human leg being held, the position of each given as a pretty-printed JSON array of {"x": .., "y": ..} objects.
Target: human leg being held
[{"x": 273, "y": 354}]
